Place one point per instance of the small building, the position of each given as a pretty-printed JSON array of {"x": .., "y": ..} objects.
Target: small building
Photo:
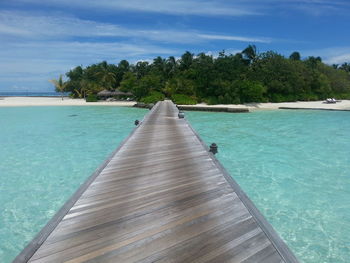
[{"x": 105, "y": 94}]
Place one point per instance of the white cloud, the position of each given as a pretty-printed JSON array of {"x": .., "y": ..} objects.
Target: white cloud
[
  {"x": 12, "y": 30},
  {"x": 235, "y": 38},
  {"x": 31, "y": 64},
  {"x": 178, "y": 7},
  {"x": 216, "y": 53},
  {"x": 41, "y": 46},
  {"x": 28, "y": 25},
  {"x": 38, "y": 57},
  {"x": 182, "y": 7},
  {"x": 333, "y": 55},
  {"x": 338, "y": 59},
  {"x": 313, "y": 7},
  {"x": 61, "y": 27},
  {"x": 201, "y": 7}
]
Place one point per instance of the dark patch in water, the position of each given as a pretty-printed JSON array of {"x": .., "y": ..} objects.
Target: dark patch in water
[{"x": 73, "y": 115}]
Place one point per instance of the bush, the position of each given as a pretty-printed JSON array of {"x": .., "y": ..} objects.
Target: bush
[
  {"x": 307, "y": 97},
  {"x": 211, "y": 100},
  {"x": 91, "y": 98},
  {"x": 290, "y": 98},
  {"x": 276, "y": 98},
  {"x": 251, "y": 91},
  {"x": 183, "y": 99},
  {"x": 153, "y": 97},
  {"x": 314, "y": 97},
  {"x": 344, "y": 96},
  {"x": 284, "y": 98}
]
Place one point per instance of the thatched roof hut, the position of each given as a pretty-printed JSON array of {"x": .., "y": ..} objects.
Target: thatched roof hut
[
  {"x": 121, "y": 93},
  {"x": 106, "y": 93}
]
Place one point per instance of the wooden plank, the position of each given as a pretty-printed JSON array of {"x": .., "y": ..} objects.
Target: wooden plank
[
  {"x": 130, "y": 240},
  {"x": 160, "y": 197},
  {"x": 133, "y": 227}
]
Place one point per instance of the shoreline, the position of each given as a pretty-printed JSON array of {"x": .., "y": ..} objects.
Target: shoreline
[
  {"x": 57, "y": 101},
  {"x": 344, "y": 105},
  {"x": 10, "y": 101}
]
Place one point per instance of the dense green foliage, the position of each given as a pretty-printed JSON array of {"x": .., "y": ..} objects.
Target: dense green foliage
[
  {"x": 153, "y": 97},
  {"x": 91, "y": 98},
  {"x": 183, "y": 99},
  {"x": 228, "y": 78}
]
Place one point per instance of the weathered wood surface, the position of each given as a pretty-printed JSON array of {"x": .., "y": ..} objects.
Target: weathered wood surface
[{"x": 161, "y": 198}]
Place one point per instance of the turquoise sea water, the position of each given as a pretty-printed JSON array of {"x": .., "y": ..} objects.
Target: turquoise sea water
[
  {"x": 295, "y": 166},
  {"x": 31, "y": 94},
  {"x": 45, "y": 154}
]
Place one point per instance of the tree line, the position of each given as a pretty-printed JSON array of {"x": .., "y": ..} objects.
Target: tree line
[{"x": 243, "y": 77}]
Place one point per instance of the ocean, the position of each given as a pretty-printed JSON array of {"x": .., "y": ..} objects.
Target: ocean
[
  {"x": 45, "y": 154},
  {"x": 294, "y": 165},
  {"x": 31, "y": 94}
]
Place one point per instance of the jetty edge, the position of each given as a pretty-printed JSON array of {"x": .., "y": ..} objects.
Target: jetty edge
[{"x": 161, "y": 194}]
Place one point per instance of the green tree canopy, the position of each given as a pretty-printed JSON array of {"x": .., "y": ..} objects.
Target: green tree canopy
[{"x": 228, "y": 78}]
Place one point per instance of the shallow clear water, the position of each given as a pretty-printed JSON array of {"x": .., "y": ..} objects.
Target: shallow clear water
[
  {"x": 295, "y": 166},
  {"x": 45, "y": 154},
  {"x": 32, "y": 94}
]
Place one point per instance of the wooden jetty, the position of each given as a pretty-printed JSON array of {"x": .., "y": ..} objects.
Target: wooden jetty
[{"x": 160, "y": 197}]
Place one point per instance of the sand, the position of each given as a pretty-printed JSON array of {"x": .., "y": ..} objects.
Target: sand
[
  {"x": 343, "y": 105},
  {"x": 57, "y": 101}
]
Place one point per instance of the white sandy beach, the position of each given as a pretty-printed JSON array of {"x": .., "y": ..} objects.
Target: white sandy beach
[
  {"x": 57, "y": 101},
  {"x": 343, "y": 105}
]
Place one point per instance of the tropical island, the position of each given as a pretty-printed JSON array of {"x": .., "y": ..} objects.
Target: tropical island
[{"x": 238, "y": 78}]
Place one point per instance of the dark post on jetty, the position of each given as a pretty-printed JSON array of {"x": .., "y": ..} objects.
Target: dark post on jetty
[{"x": 162, "y": 196}]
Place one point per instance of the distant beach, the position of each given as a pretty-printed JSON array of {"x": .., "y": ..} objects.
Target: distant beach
[
  {"x": 57, "y": 101},
  {"x": 319, "y": 105}
]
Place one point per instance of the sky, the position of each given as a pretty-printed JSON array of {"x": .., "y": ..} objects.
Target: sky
[{"x": 41, "y": 39}]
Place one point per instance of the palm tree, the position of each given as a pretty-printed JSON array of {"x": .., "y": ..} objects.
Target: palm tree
[
  {"x": 81, "y": 93},
  {"x": 250, "y": 53},
  {"x": 108, "y": 79},
  {"x": 170, "y": 66},
  {"x": 295, "y": 56},
  {"x": 186, "y": 60},
  {"x": 60, "y": 85}
]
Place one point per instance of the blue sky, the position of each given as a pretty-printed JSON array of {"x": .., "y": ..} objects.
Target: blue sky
[{"x": 40, "y": 39}]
